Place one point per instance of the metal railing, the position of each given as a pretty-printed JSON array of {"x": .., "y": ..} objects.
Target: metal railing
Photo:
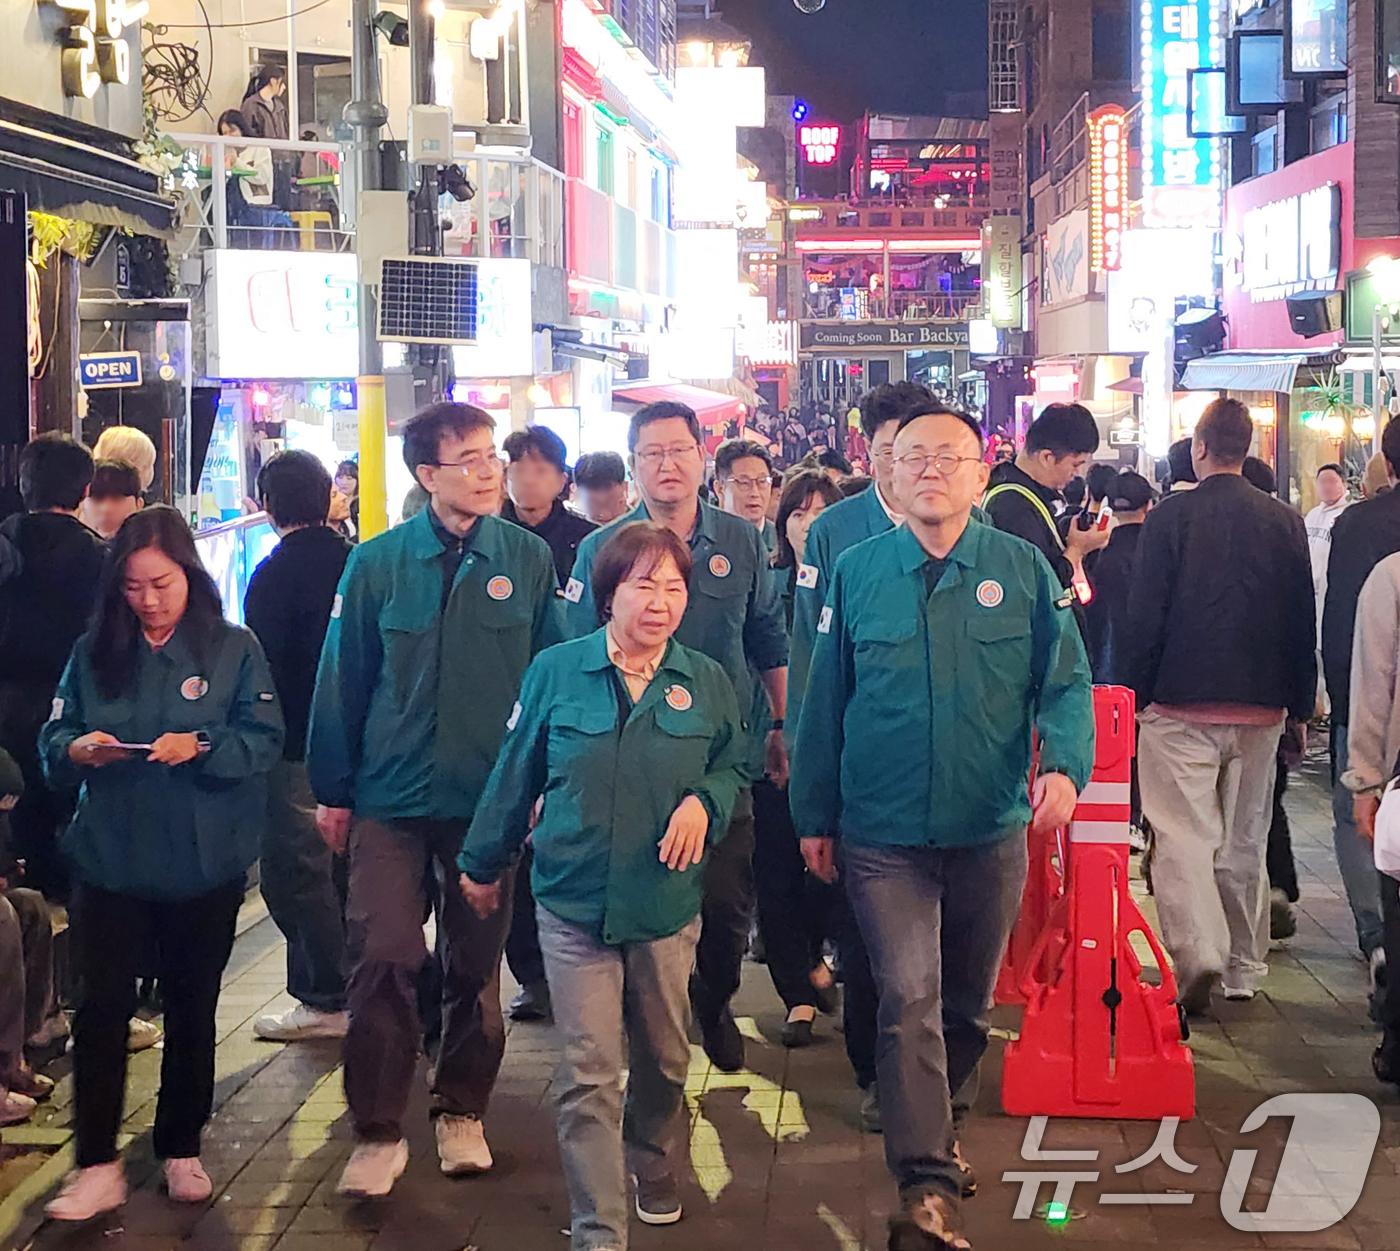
[
  {"x": 614, "y": 245},
  {"x": 825, "y": 305}
]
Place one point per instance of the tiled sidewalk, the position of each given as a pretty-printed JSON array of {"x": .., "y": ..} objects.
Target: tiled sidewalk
[{"x": 778, "y": 1160}]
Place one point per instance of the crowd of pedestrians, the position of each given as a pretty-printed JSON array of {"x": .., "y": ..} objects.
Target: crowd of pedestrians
[{"x": 618, "y": 723}]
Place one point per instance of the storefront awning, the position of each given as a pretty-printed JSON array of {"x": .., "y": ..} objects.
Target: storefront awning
[
  {"x": 712, "y": 408},
  {"x": 76, "y": 173},
  {"x": 1364, "y": 362},
  {"x": 1242, "y": 371}
]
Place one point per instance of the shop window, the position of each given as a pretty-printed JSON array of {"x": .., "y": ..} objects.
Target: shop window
[
  {"x": 1328, "y": 123},
  {"x": 881, "y": 219},
  {"x": 1265, "y": 145},
  {"x": 911, "y": 219}
]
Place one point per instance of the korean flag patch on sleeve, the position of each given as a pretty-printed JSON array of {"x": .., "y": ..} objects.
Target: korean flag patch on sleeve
[
  {"x": 824, "y": 621},
  {"x": 514, "y": 716},
  {"x": 573, "y": 590},
  {"x": 807, "y": 576},
  {"x": 337, "y": 606}
]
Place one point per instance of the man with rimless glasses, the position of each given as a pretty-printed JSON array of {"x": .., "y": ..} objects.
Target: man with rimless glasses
[
  {"x": 734, "y": 616},
  {"x": 431, "y": 632},
  {"x": 942, "y": 645}
]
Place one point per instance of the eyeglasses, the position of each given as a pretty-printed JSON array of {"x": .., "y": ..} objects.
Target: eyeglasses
[
  {"x": 885, "y": 455},
  {"x": 947, "y": 465},
  {"x": 475, "y": 463},
  {"x": 655, "y": 457},
  {"x": 748, "y": 484}
]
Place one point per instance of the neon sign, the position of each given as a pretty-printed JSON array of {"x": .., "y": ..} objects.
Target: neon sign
[
  {"x": 1107, "y": 185},
  {"x": 820, "y": 144},
  {"x": 1181, "y": 183}
]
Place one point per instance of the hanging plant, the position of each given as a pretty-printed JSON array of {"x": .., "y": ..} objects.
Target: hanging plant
[{"x": 49, "y": 233}]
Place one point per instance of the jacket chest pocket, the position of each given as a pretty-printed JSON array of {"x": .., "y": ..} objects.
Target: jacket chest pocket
[
  {"x": 888, "y": 653},
  {"x": 1000, "y": 646},
  {"x": 682, "y": 747},
  {"x": 408, "y": 635},
  {"x": 578, "y": 739}
]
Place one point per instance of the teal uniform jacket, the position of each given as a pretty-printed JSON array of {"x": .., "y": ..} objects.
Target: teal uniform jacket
[
  {"x": 760, "y": 718},
  {"x": 916, "y": 728},
  {"x": 154, "y": 831},
  {"x": 611, "y": 774},
  {"x": 735, "y": 614},
  {"x": 412, "y": 699}
]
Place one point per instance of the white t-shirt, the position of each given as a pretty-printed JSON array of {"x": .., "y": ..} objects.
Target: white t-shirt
[{"x": 1319, "y": 524}]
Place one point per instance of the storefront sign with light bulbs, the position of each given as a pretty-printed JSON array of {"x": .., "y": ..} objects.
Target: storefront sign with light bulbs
[{"x": 94, "y": 48}]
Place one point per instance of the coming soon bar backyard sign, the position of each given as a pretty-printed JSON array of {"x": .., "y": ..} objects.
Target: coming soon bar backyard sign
[{"x": 1180, "y": 174}]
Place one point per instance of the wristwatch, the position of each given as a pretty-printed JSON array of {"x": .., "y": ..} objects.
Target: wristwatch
[
  {"x": 775, "y": 724},
  {"x": 202, "y": 742}
]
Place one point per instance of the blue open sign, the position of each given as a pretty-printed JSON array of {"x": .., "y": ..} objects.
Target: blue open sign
[{"x": 109, "y": 369}]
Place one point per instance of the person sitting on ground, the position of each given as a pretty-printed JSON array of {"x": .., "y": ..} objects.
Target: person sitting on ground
[{"x": 114, "y": 495}]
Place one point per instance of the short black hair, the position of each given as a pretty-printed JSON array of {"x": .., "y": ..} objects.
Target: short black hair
[
  {"x": 1390, "y": 447},
  {"x": 55, "y": 471},
  {"x": 1063, "y": 430},
  {"x": 936, "y": 408},
  {"x": 295, "y": 489},
  {"x": 891, "y": 401},
  {"x": 732, "y": 450},
  {"x": 1226, "y": 430},
  {"x": 1334, "y": 467},
  {"x": 855, "y": 484},
  {"x": 1180, "y": 466},
  {"x": 595, "y": 470},
  {"x": 1099, "y": 478},
  {"x": 538, "y": 441},
  {"x": 114, "y": 479},
  {"x": 830, "y": 458},
  {"x": 662, "y": 410},
  {"x": 424, "y": 431},
  {"x": 231, "y": 117},
  {"x": 1257, "y": 473},
  {"x": 1075, "y": 491}
]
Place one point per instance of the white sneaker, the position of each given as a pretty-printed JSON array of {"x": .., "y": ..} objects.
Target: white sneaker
[
  {"x": 187, "y": 1181},
  {"x": 15, "y": 1107},
  {"x": 142, "y": 1034},
  {"x": 461, "y": 1144},
  {"x": 300, "y": 1023},
  {"x": 373, "y": 1169},
  {"x": 87, "y": 1192},
  {"x": 55, "y": 1028},
  {"x": 1240, "y": 994}
]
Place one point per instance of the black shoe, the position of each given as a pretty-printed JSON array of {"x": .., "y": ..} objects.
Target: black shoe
[
  {"x": 870, "y": 1119},
  {"x": 723, "y": 1043},
  {"x": 797, "y": 1034},
  {"x": 1282, "y": 922},
  {"x": 1384, "y": 1066},
  {"x": 928, "y": 1223},
  {"x": 658, "y": 1200},
  {"x": 531, "y": 1004},
  {"x": 967, "y": 1179},
  {"x": 828, "y": 1002}
]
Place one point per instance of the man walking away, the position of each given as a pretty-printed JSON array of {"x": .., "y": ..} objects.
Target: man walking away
[
  {"x": 735, "y": 617},
  {"x": 49, "y": 567},
  {"x": 1221, "y": 644},
  {"x": 1364, "y": 535},
  {"x": 1110, "y": 574},
  {"x": 1022, "y": 497},
  {"x": 600, "y": 481},
  {"x": 944, "y": 646},
  {"x": 431, "y": 631},
  {"x": 288, "y": 606}
]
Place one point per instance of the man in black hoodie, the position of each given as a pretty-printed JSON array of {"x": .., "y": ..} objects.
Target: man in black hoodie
[
  {"x": 1110, "y": 574},
  {"x": 49, "y": 568}
]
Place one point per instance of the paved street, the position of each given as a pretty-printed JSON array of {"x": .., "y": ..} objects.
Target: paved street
[{"x": 777, "y": 1158}]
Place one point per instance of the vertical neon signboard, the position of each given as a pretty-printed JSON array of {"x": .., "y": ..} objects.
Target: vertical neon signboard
[
  {"x": 1108, "y": 186},
  {"x": 1181, "y": 184}
]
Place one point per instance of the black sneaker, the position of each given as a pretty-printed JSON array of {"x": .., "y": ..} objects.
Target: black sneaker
[
  {"x": 797, "y": 1034},
  {"x": 658, "y": 1200},
  {"x": 1383, "y": 1064},
  {"x": 531, "y": 1004},
  {"x": 723, "y": 1043},
  {"x": 870, "y": 1119}
]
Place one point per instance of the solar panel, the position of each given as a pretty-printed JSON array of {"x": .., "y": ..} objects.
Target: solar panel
[{"x": 428, "y": 300}]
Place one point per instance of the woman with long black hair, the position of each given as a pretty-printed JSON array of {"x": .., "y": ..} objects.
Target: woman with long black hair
[{"x": 167, "y": 720}]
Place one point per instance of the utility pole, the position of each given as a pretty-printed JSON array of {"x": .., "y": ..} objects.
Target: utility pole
[
  {"x": 426, "y": 233},
  {"x": 367, "y": 114}
]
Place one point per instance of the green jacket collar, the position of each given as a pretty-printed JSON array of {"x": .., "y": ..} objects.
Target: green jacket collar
[
  {"x": 595, "y": 658},
  {"x": 912, "y": 556},
  {"x": 423, "y": 543},
  {"x": 704, "y": 521}
]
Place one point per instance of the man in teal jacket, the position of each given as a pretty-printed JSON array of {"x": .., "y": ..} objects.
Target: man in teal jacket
[
  {"x": 432, "y": 630},
  {"x": 943, "y": 646},
  {"x": 735, "y": 617}
]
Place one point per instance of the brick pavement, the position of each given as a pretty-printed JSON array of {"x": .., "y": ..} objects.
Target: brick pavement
[{"x": 777, "y": 1158}]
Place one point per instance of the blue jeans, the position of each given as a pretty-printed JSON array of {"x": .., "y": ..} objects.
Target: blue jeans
[
  {"x": 617, "y": 1008},
  {"x": 1355, "y": 854},
  {"x": 303, "y": 885},
  {"x": 935, "y": 922}
]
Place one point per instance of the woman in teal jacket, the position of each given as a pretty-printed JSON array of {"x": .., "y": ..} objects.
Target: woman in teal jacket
[
  {"x": 634, "y": 741},
  {"x": 167, "y": 720}
]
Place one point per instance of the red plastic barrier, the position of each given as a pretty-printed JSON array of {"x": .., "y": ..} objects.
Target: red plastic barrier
[
  {"x": 1045, "y": 888},
  {"x": 1096, "y": 1040}
]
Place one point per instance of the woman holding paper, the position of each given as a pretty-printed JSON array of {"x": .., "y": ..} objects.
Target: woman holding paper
[{"x": 167, "y": 720}]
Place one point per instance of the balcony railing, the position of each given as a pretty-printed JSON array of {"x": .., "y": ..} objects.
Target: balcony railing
[
  {"x": 843, "y": 216},
  {"x": 898, "y": 306},
  {"x": 615, "y": 246}
]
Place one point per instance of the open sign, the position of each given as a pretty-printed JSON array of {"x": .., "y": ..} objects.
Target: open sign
[{"x": 100, "y": 370}]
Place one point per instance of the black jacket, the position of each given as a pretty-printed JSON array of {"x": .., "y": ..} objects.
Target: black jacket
[
  {"x": 50, "y": 564},
  {"x": 1221, "y": 608},
  {"x": 562, "y": 530},
  {"x": 1110, "y": 574},
  {"x": 1363, "y": 536},
  {"x": 1013, "y": 512},
  {"x": 288, "y": 606}
]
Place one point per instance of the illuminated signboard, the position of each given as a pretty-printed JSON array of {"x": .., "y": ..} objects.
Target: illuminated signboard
[
  {"x": 805, "y": 214},
  {"x": 819, "y": 144},
  {"x": 1292, "y": 245},
  {"x": 1181, "y": 183},
  {"x": 1317, "y": 42},
  {"x": 1108, "y": 177},
  {"x": 1001, "y": 270},
  {"x": 94, "y": 50}
]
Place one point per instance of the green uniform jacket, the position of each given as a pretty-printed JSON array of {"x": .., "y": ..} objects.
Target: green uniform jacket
[
  {"x": 412, "y": 699},
  {"x": 916, "y": 727},
  {"x": 154, "y": 831},
  {"x": 760, "y": 709},
  {"x": 735, "y": 614},
  {"x": 610, "y": 787}
]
